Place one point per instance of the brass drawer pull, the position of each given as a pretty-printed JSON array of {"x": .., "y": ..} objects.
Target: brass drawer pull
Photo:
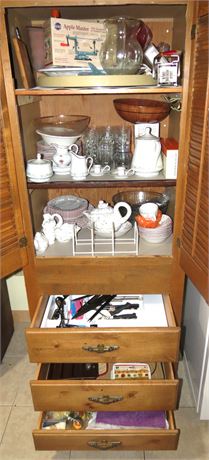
[
  {"x": 106, "y": 399},
  {"x": 104, "y": 445},
  {"x": 100, "y": 348}
]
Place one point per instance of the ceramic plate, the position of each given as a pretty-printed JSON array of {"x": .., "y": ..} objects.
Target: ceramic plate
[{"x": 67, "y": 203}]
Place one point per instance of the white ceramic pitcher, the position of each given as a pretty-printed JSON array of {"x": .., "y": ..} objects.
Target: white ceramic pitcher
[{"x": 80, "y": 166}]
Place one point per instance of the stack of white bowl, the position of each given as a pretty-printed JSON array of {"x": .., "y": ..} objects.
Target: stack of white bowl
[{"x": 158, "y": 234}]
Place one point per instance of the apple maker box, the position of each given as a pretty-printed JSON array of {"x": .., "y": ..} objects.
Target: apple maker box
[{"x": 73, "y": 43}]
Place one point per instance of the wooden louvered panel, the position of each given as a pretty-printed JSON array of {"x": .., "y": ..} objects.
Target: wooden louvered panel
[
  {"x": 11, "y": 228},
  {"x": 8, "y": 233},
  {"x": 194, "y": 251}
]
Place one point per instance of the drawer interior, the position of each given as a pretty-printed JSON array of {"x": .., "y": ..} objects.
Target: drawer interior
[
  {"x": 146, "y": 342},
  {"x": 58, "y": 389},
  {"x": 104, "y": 439}
]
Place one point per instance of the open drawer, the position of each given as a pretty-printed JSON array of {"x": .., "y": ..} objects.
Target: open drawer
[
  {"x": 128, "y": 439},
  {"x": 157, "y": 393},
  {"x": 113, "y": 344}
]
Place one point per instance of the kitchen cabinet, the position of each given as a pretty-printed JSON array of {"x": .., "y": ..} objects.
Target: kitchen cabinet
[{"x": 148, "y": 272}]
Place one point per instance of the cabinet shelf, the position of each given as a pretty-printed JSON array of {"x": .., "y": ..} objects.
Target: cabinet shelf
[
  {"x": 102, "y": 183},
  {"x": 98, "y": 90}
]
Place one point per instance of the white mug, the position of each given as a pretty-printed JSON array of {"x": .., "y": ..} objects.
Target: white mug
[
  {"x": 98, "y": 169},
  {"x": 149, "y": 211},
  {"x": 122, "y": 171}
]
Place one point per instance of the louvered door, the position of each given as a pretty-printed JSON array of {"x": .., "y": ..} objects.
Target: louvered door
[
  {"x": 194, "y": 251},
  {"x": 12, "y": 240}
]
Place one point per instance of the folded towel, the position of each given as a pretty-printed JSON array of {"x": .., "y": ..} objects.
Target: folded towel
[{"x": 145, "y": 419}]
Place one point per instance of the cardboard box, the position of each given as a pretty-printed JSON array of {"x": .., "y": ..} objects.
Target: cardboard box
[
  {"x": 170, "y": 157},
  {"x": 72, "y": 42}
]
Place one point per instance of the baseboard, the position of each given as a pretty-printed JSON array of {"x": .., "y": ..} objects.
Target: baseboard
[{"x": 21, "y": 316}]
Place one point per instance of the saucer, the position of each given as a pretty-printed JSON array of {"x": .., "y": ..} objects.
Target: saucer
[
  {"x": 78, "y": 178},
  {"x": 61, "y": 171},
  {"x": 96, "y": 174}
]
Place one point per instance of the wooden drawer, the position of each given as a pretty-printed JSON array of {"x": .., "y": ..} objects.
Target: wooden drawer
[
  {"x": 114, "y": 395},
  {"x": 136, "y": 344},
  {"x": 141, "y": 439}
]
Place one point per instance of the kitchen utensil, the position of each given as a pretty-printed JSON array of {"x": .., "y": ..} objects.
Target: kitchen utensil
[
  {"x": 104, "y": 218},
  {"x": 147, "y": 158},
  {"x": 135, "y": 198},
  {"x": 141, "y": 110},
  {"x": 62, "y": 132},
  {"x": 70, "y": 207},
  {"x": 39, "y": 170},
  {"x": 121, "y": 53},
  {"x": 158, "y": 234},
  {"x": 80, "y": 166}
]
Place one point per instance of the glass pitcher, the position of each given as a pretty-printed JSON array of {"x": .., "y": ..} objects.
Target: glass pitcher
[{"x": 121, "y": 53}]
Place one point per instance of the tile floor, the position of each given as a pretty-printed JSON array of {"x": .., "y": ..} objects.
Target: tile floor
[{"x": 17, "y": 418}]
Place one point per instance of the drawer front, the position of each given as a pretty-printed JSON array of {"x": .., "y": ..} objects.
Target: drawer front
[
  {"x": 84, "y": 345},
  {"x": 144, "y": 439},
  {"x": 103, "y": 345},
  {"x": 105, "y": 395}
]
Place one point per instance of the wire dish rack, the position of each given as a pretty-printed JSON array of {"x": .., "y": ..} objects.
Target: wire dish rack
[{"x": 88, "y": 242}]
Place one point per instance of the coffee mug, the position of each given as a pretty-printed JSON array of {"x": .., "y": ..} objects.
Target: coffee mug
[
  {"x": 98, "y": 169},
  {"x": 122, "y": 171},
  {"x": 149, "y": 211}
]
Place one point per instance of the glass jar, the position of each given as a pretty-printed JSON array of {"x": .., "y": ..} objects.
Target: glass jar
[{"x": 121, "y": 53}]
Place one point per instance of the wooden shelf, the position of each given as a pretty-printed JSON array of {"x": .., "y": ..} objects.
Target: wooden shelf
[
  {"x": 98, "y": 90},
  {"x": 102, "y": 183},
  {"x": 58, "y": 181}
]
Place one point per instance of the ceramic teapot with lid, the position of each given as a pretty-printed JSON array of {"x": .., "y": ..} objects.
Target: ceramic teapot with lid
[
  {"x": 147, "y": 158},
  {"x": 105, "y": 218}
]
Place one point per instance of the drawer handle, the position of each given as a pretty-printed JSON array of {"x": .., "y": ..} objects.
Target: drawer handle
[
  {"x": 104, "y": 445},
  {"x": 106, "y": 399},
  {"x": 100, "y": 348}
]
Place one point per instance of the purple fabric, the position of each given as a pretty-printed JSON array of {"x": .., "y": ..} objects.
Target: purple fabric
[{"x": 149, "y": 419}]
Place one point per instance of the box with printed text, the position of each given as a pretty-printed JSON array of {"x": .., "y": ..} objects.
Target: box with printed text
[
  {"x": 170, "y": 157},
  {"x": 72, "y": 42}
]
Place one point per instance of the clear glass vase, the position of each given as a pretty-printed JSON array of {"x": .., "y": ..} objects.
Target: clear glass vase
[{"x": 121, "y": 53}]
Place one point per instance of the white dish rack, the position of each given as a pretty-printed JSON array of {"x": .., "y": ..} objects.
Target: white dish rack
[{"x": 89, "y": 243}]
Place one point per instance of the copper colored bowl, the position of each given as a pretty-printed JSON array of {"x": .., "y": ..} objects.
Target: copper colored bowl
[{"x": 141, "y": 110}]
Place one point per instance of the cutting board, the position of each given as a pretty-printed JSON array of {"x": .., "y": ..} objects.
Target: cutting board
[{"x": 24, "y": 64}]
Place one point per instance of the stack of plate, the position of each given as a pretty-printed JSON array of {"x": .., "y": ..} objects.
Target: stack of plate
[
  {"x": 158, "y": 234},
  {"x": 70, "y": 207},
  {"x": 46, "y": 151}
]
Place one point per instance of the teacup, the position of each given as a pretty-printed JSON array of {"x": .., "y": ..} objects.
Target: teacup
[
  {"x": 122, "y": 171},
  {"x": 98, "y": 169},
  {"x": 149, "y": 211}
]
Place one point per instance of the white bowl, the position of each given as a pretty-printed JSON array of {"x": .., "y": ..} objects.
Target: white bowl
[
  {"x": 58, "y": 138},
  {"x": 158, "y": 234}
]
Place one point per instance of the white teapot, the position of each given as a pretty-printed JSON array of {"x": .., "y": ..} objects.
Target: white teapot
[
  {"x": 40, "y": 242},
  {"x": 65, "y": 233},
  {"x": 105, "y": 218},
  {"x": 49, "y": 224}
]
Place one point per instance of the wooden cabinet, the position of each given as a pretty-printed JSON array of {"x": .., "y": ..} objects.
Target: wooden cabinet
[{"x": 152, "y": 271}]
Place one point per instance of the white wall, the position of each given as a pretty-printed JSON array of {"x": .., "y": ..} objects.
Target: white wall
[
  {"x": 196, "y": 323},
  {"x": 17, "y": 292}
]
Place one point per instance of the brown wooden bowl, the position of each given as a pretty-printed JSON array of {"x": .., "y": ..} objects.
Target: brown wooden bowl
[{"x": 141, "y": 110}]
